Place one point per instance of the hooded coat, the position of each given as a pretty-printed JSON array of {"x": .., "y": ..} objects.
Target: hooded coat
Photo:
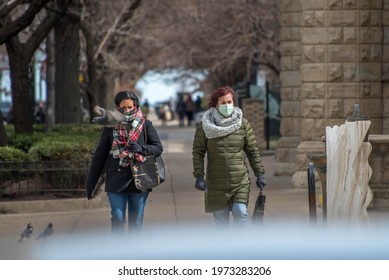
[{"x": 227, "y": 174}]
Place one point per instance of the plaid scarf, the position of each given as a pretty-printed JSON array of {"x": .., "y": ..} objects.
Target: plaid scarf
[{"x": 122, "y": 137}]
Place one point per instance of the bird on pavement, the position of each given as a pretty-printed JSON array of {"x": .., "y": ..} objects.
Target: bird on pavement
[
  {"x": 46, "y": 233},
  {"x": 26, "y": 234}
]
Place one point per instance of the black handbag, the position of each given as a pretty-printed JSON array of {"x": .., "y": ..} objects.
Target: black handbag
[{"x": 148, "y": 174}]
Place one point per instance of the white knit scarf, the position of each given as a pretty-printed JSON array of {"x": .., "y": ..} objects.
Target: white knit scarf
[{"x": 215, "y": 125}]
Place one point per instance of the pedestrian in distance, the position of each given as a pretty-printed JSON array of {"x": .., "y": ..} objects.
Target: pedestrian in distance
[
  {"x": 190, "y": 108},
  {"x": 198, "y": 104},
  {"x": 166, "y": 114},
  {"x": 145, "y": 108},
  {"x": 181, "y": 110},
  {"x": 226, "y": 137},
  {"x": 39, "y": 113},
  {"x": 119, "y": 145}
]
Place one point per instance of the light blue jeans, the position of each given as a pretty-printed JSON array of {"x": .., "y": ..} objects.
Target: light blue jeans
[
  {"x": 239, "y": 215},
  {"x": 136, "y": 203}
]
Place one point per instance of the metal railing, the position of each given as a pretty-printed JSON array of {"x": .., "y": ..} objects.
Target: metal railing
[
  {"x": 56, "y": 178},
  {"x": 311, "y": 193}
]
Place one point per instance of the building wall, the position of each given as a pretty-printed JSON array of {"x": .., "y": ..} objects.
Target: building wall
[
  {"x": 385, "y": 66},
  {"x": 343, "y": 59},
  {"x": 254, "y": 112},
  {"x": 291, "y": 49}
]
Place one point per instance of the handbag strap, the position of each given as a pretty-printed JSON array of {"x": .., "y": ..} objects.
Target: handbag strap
[{"x": 144, "y": 128}]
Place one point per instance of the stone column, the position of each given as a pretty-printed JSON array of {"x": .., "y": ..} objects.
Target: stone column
[
  {"x": 254, "y": 112},
  {"x": 385, "y": 67},
  {"x": 290, "y": 47},
  {"x": 341, "y": 65}
]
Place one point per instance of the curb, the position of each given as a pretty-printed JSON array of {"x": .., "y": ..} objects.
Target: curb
[{"x": 54, "y": 205}]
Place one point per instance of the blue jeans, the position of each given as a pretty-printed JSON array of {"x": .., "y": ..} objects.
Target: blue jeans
[
  {"x": 136, "y": 204},
  {"x": 239, "y": 215}
]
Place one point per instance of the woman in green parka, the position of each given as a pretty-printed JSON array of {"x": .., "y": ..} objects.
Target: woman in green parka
[{"x": 226, "y": 138}]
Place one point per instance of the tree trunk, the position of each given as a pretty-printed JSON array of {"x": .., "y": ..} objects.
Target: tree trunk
[
  {"x": 20, "y": 56},
  {"x": 91, "y": 86},
  {"x": 67, "y": 87},
  {"x": 105, "y": 89},
  {"x": 50, "y": 81},
  {"x": 21, "y": 89},
  {"x": 3, "y": 135}
]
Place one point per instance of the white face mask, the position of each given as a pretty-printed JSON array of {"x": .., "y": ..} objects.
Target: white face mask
[{"x": 226, "y": 110}]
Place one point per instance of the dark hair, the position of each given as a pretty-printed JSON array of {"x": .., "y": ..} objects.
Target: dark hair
[
  {"x": 123, "y": 95},
  {"x": 221, "y": 91}
]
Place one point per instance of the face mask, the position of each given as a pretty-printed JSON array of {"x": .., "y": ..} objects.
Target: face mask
[
  {"x": 226, "y": 110},
  {"x": 127, "y": 113}
]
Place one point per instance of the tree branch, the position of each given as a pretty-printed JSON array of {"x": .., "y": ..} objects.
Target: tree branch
[
  {"x": 127, "y": 10},
  {"x": 12, "y": 28},
  {"x": 40, "y": 33}
]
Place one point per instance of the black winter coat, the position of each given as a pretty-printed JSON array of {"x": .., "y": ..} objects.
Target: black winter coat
[{"x": 118, "y": 177}]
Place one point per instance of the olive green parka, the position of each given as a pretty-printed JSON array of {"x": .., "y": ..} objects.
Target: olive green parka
[{"x": 227, "y": 174}]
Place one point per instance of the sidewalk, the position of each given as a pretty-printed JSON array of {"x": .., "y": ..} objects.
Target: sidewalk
[{"x": 175, "y": 202}]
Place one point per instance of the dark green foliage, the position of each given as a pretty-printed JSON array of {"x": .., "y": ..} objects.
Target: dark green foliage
[
  {"x": 13, "y": 154},
  {"x": 64, "y": 143},
  {"x": 24, "y": 142},
  {"x": 47, "y": 164},
  {"x": 62, "y": 148}
]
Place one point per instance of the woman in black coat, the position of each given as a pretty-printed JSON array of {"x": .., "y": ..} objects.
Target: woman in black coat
[{"x": 118, "y": 147}]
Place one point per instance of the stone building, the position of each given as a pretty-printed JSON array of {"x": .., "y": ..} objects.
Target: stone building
[{"x": 334, "y": 54}]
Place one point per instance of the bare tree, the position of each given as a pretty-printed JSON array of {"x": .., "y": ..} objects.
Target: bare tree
[
  {"x": 20, "y": 50},
  {"x": 67, "y": 66},
  {"x": 101, "y": 24},
  {"x": 227, "y": 40},
  {"x": 10, "y": 27},
  {"x": 125, "y": 39},
  {"x": 50, "y": 82}
]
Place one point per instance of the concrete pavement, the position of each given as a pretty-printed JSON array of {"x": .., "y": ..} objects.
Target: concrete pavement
[{"x": 174, "y": 202}]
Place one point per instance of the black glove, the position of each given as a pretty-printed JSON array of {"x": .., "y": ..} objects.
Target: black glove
[
  {"x": 89, "y": 194},
  {"x": 134, "y": 147},
  {"x": 200, "y": 183},
  {"x": 261, "y": 183}
]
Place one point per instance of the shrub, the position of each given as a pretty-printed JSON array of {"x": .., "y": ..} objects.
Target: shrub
[
  {"x": 63, "y": 148},
  {"x": 78, "y": 129},
  {"x": 24, "y": 142},
  {"x": 67, "y": 142},
  {"x": 13, "y": 154}
]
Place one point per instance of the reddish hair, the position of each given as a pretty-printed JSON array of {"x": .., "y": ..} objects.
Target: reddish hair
[{"x": 221, "y": 91}]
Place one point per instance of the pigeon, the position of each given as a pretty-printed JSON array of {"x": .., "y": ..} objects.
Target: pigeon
[
  {"x": 101, "y": 112},
  {"x": 26, "y": 234},
  {"x": 46, "y": 233},
  {"x": 109, "y": 118}
]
